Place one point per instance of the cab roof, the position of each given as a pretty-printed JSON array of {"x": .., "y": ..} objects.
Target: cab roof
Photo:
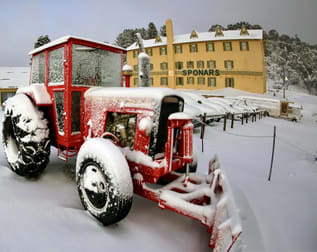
[{"x": 66, "y": 39}]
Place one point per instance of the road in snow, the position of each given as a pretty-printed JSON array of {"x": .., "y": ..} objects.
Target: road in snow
[{"x": 281, "y": 215}]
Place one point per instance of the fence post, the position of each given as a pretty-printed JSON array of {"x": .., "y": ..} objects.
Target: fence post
[
  {"x": 232, "y": 119},
  {"x": 202, "y": 132},
  {"x": 273, "y": 149},
  {"x": 255, "y": 116},
  {"x": 247, "y": 118},
  {"x": 225, "y": 122}
]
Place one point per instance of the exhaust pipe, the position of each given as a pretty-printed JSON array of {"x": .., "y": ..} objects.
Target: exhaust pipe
[{"x": 143, "y": 65}]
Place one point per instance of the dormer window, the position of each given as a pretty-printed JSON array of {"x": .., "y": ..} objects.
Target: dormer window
[
  {"x": 244, "y": 31},
  {"x": 158, "y": 39},
  {"x": 218, "y": 31},
  {"x": 193, "y": 34}
]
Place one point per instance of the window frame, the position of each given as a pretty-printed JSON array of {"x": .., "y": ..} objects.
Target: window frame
[
  {"x": 164, "y": 79},
  {"x": 209, "y": 81},
  {"x": 247, "y": 45},
  {"x": 225, "y": 47},
  {"x": 226, "y": 64},
  {"x": 193, "y": 45},
  {"x": 178, "y": 49},
  {"x": 200, "y": 64},
  {"x": 190, "y": 82},
  {"x": 179, "y": 81},
  {"x": 163, "y": 50},
  {"x": 199, "y": 80},
  {"x": 212, "y": 45},
  {"x": 209, "y": 65}
]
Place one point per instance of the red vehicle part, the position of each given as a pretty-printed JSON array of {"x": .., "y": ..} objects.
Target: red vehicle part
[{"x": 204, "y": 198}]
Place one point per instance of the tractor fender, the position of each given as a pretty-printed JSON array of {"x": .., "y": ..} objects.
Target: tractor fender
[{"x": 38, "y": 93}]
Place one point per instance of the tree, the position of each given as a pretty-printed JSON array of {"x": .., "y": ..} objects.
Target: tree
[
  {"x": 151, "y": 31},
  {"x": 42, "y": 40},
  {"x": 273, "y": 34},
  {"x": 163, "y": 30},
  {"x": 128, "y": 37},
  {"x": 214, "y": 27}
]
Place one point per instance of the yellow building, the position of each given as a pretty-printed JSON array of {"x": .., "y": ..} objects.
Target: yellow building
[{"x": 208, "y": 60}]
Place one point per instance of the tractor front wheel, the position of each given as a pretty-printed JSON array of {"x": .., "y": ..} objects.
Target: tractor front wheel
[{"x": 103, "y": 180}]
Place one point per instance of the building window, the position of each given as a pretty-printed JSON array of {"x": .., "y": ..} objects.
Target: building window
[
  {"x": 135, "y": 68},
  {"x": 227, "y": 46},
  {"x": 229, "y": 82},
  {"x": 193, "y": 48},
  {"x": 178, "y": 49},
  {"x": 163, "y": 50},
  {"x": 179, "y": 65},
  {"x": 201, "y": 80},
  {"x": 190, "y": 64},
  {"x": 211, "y": 81},
  {"x": 210, "y": 47},
  {"x": 164, "y": 66},
  {"x": 190, "y": 80},
  {"x": 135, "y": 53},
  {"x": 244, "y": 46},
  {"x": 149, "y": 51},
  {"x": 151, "y": 81},
  {"x": 179, "y": 81},
  {"x": 151, "y": 66},
  {"x": 200, "y": 64},
  {"x": 164, "y": 81},
  {"x": 229, "y": 64},
  {"x": 211, "y": 64},
  {"x": 135, "y": 81}
]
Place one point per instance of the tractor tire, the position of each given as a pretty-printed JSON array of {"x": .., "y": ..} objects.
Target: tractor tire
[
  {"x": 104, "y": 181},
  {"x": 25, "y": 136}
]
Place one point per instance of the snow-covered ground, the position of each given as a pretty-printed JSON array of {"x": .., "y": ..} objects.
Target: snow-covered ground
[{"x": 280, "y": 215}]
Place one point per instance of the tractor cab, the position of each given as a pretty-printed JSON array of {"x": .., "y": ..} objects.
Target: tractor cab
[{"x": 62, "y": 71}]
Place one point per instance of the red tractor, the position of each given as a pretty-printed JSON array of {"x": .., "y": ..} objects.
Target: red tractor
[{"x": 126, "y": 139}]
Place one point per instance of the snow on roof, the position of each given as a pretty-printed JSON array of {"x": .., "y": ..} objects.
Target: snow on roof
[
  {"x": 234, "y": 92},
  {"x": 65, "y": 39},
  {"x": 157, "y": 93},
  {"x": 13, "y": 77},
  {"x": 148, "y": 43},
  {"x": 202, "y": 36}
]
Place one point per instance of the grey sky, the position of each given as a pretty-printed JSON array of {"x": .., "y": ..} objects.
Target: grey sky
[{"x": 22, "y": 22}]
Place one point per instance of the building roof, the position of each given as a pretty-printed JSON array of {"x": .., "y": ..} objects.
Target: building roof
[
  {"x": 202, "y": 37},
  {"x": 65, "y": 39},
  {"x": 14, "y": 77}
]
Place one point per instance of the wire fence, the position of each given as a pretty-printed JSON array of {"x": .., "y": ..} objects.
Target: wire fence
[{"x": 287, "y": 142}]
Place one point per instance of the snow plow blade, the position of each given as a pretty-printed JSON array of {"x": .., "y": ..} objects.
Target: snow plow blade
[{"x": 207, "y": 199}]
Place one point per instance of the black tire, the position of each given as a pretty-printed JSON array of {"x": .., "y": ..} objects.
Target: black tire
[
  {"x": 104, "y": 181},
  {"x": 25, "y": 136}
]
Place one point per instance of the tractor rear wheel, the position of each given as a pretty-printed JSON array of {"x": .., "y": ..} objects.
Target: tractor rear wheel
[
  {"x": 103, "y": 180},
  {"x": 25, "y": 137}
]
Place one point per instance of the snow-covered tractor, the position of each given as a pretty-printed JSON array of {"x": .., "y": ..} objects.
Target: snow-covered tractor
[{"x": 126, "y": 139}]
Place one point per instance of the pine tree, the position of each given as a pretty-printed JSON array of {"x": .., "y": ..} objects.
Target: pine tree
[
  {"x": 163, "y": 30},
  {"x": 128, "y": 37},
  {"x": 42, "y": 40},
  {"x": 151, "y": 31}
]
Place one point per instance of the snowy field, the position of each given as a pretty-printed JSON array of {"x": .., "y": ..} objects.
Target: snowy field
[{"x": 280, "y": 215}]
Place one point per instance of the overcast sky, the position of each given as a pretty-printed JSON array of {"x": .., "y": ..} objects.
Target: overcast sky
[{"x": 22, "y": 22}]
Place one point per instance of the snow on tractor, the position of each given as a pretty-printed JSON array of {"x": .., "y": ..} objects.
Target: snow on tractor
[{"x": 126, "y": 139}]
